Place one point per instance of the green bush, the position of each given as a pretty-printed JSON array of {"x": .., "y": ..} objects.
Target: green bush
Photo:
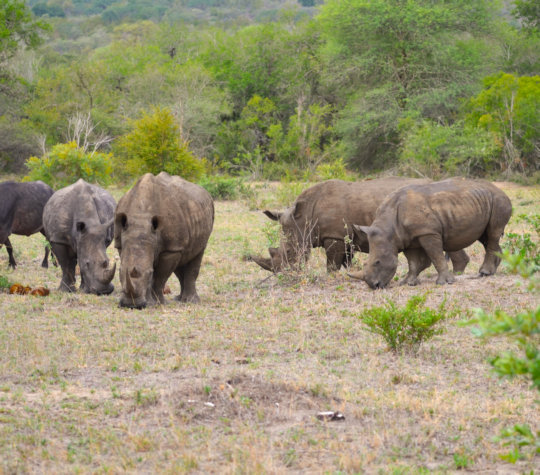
[
  {"x": 524, "y": 245},
  {"x": 155, "y": 145},
  {"x": 437, "y": 150},
  {"x": 4, "y": 282},
  {"x": 523, "y": 329},
  {"x": 404, "y": 327},
  {"x": 66, "y": 163},
  {"x": 223, "y": 187}
]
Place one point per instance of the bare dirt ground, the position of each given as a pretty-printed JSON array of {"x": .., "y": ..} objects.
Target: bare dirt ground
[{"x": 234, "y": 384}]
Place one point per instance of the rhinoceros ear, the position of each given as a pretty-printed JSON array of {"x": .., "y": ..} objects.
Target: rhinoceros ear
[
  {"x": 361, "y": 230},
  {"x": 273, "y": 215}
]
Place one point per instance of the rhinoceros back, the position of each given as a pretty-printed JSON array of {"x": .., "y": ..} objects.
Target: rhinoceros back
[
  {"x": 184, "y": 209},
  {"x": 336, "y": 204},
  {"x": 80, "y": 201}
]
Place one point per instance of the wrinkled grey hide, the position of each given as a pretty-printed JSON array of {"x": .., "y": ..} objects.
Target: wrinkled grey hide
[
  {"x": 423, "y": 221},
  {"x": 21, "y": 212},
  {"x": 324, "y": 215},
  {"x": 162, "y": 225},
  {"x": 78, "y": 222}
]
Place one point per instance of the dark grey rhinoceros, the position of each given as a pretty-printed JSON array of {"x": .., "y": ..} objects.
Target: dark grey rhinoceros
[
  {"x": 78, "y": 222},
  {"x": 21, "y": 211},
  {"x": 423, "y": 221},
  {"x": 323, "y": 216},
  {"x": 162, "y": 225}
]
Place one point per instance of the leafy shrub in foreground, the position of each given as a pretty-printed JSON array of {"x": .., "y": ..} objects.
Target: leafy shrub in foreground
[
  {"x": 524, "y": 245},
  {"x": 404, "y": 327},
  {"x": 523, "y": 329},
  {"x": 66, "y": 163}
]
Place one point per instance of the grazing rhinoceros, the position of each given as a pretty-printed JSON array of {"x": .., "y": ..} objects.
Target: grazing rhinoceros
[
  {"x": 323, "y": 216},
  {"x": 21, "y": 211},
  {"x": 423, "y": 221},
  {"x": 162, "y": 225},
  {"x": 78, "y": 222}
]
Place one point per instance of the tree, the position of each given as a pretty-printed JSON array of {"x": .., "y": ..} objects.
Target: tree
[
  {"x": 396, "y": 56},
  {"x": 508, "y": 106},
  {"x": 528, "y": 11},
  {"x": 18, "y": 28},
  {"x": 154, "y": 145}
]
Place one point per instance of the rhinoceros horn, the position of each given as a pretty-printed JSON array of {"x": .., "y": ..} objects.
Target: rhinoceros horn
[
  {"x": 264, "y": 262},
  {"x": 356, "y": 275},
  {"x": 129, "y": 285},
  {"x": 108, "y": 274}
]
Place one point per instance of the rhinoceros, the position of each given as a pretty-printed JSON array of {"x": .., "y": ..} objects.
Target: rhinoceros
[
  {"x": 162, "y": 225},
  {"x": 78, "y": 222},
  {"x": 323, "y": 216},
  {"x": 21, "y": 211},
  {"x": 425, "y": 220}
]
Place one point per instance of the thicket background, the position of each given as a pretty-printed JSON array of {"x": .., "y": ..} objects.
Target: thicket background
[{"x": 272, "y": 89}]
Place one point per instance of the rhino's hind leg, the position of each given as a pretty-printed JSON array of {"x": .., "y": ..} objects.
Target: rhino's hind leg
[
  {"x": 459, "y": 259},
  {"x": 336, "y": 254},
  {"x": 187, "y": 275},
  {"x": 418, "y": 260},
  {"x": 433, "y": 246},
  {"x": 67, "y": 260},
  {"x": 491, "y": 259},
  {"x": 9, "y": 249}
]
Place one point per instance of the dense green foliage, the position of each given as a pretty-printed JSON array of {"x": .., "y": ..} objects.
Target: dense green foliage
[
  {"x": 404, "y": 327},
  {"x": 523, "y": 329},
  {"x": 153, "y": 145},
  {"x": 66, "y": 163},
  {"x": 268, "y": 91}
]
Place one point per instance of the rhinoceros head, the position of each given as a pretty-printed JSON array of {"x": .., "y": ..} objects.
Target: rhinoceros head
[
  {"x": 137, "y": 240},
  {"x": 382, "y": 261},
  {"x": 91, "y": 240},
  {"x": 295, "y": 243}
]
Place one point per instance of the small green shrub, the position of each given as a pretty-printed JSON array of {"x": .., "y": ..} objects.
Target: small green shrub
[
  {"x": 524, "y": 330},
  {"x": 287, "y": 193},
  {"x": 224, "y": 188},
  {"x": 66, "y": 163},
  {"x": 334, "y": 170},
  {"x": 524, "y": 245},
  {"x": 153, "y": 145},
  {"x": 404, "y": 327},
  {"x": 4, "y": 282}
]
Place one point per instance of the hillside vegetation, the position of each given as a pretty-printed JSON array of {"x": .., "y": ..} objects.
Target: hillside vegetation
[{"x": 274, "y": 89}]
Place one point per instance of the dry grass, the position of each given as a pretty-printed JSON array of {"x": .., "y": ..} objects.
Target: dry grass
[{"x": 233, "y": 385}]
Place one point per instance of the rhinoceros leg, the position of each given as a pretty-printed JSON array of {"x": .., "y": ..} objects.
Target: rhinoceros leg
[
  {"x": 459, "y": 259},
  {"x": 491, "y": 259},
  {"x": 336, "y": 256},
  {"x": 433, "y": 246},
  {"x": 418, "y": 260},
  {"x": 166, "y": 264},
  {"x": 187, "y": 275},
  {"x": 45, "y": 262},
  {"x": 67, "y": 260},
  {"x": 9, "y": 249}
]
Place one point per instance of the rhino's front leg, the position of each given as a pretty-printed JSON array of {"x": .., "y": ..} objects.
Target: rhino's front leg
[
  {"x": 418, "y": 260},
  {"x": 67, "y": 260},
  {"x": 433, "y": 246},
  {"x": 9, "y": 249},
  {"x": 167, "y": 262},
  {"x": 336, "y": 254},
  {"x": 187, "y": 275},
  {"x": 459, "y": 259}
]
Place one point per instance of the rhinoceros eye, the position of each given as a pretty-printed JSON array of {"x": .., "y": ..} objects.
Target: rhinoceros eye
[
  {"x": 123, "y": 221},
  {"x": 377, "y": 262},
  {"x": 155, "y": 223}
]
